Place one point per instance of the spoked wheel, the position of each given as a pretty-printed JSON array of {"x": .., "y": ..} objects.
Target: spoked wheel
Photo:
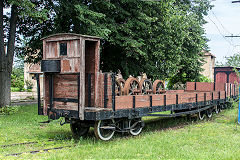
[
  {"x": 79, "y": 129},
  {"x": 131, "y": 86},
  {"x": 136, "y": 126},
  {"x": 104, "y": 129},
  {"x": 217, "y": 109},
  {"x": 201, "y": 115},
  {"x": 209, "y": 113},
  {"x": 119, "y": 86},
  {"x": 146, "y": 86},
  {"x": 158, "y": 87}
]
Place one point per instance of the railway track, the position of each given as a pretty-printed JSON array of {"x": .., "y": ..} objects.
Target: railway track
[
  {"x": 37, "y": 151},
  {"x": 33, "y": 151}
]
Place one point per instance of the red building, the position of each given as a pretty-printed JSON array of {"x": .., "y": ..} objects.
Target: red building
[{"x": 225, "y": 75}]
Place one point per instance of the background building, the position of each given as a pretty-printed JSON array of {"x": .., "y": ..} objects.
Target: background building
[
  {"x": 208, "y": 67},
  {"x": 29, "y": 71},
  {"x": 226, "y": 74}
]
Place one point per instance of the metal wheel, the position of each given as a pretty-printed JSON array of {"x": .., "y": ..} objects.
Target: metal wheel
[
  {"x": 104, "y": 129},
  {"x": 136, "y": 126},
  {"x": 146, "y": 86},
  {"x": 119, "y": 86},
  {"x": 78, "y": 129},
  {"x": 158, "y": 87},
  {"x": 201, "y": 115},
  {"x": 209, "y": 113},
  {"x": 131, "y": 86}
]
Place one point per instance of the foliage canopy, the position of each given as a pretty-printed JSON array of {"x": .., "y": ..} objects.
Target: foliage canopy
[
  {"x": 162, "y": 38},
  {"x": 233, "y": 61}
]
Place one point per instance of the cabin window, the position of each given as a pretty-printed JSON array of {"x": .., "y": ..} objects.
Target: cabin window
[{"x": 63, "y": 49}]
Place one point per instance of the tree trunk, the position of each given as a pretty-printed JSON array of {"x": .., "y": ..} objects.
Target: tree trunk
[
  {"x": 6, "y": 60},
  {"x": 5, "y": 88}
]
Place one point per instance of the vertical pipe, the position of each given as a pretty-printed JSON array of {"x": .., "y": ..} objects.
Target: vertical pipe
[
  {"x": 225, "y": 95},
  {"x": 230, "y": 90},
  {"x": 205, "y": 96},
  {"x": 177, "y": 99},
  {"x": 40, "y": 111},
  {"x": 134, "y": 102},
  {"x": 113, "y": 91},
  {"x": 165, "y": 100},
  {"x": 150, "y": 105},
  {"x": 196, "y": 98},
  {"x": 150, "y": 98},
  {"x": 51, "y": 91}
]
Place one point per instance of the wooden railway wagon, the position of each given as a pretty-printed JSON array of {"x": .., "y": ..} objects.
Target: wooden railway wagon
[{"x": 75, "y": 88}]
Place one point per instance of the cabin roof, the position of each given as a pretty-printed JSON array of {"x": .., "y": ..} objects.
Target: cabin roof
[
  {"x": 227, "y": 67},
  {"x": 70, "y": 34}
]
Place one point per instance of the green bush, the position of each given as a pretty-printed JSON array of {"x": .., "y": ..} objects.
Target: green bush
[
  {"x": 8, "y": 110},
  {"x": 203, "y": 78},
  {"x": 17, "y": 79}
]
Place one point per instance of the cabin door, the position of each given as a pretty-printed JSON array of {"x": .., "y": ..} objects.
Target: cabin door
[{"x": 90, "y": 72}]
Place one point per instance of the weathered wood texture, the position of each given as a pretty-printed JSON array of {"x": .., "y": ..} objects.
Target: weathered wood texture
[
  {"x": 184, "y": 96},
  {"x": 204, "y": 86},
  {"x": 82, "y": 58}
]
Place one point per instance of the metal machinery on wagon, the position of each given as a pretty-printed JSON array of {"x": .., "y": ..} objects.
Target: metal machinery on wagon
[{"x": 75, "y": 88}]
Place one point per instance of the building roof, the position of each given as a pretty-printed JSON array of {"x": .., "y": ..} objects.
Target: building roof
[
  {"x": 35, "y": 68},
  {"x": 70, "y": 34},
  {"x": 206, "y": 53},
  {"x": 230, "y": 67}
]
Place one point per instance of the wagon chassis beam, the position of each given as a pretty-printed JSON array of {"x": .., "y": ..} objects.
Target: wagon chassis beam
[{"x": 181, "y": 113}]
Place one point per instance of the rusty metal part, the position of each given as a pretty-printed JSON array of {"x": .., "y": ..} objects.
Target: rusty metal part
[
  {"x": 131, "y": 87},
  {"x": 158, "y": 87},
  {"x": 146, "y": 86},
  {"x": 119, "y": 86}
]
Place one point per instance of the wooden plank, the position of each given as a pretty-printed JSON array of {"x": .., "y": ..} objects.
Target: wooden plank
[
  {"x": 96, "y": 70},
  {"x": 82, "y": 79}
]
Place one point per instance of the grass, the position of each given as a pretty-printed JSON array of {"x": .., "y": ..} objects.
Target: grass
[
  {"x": 162, "y": 138},
  {"x": 16, "y": 89}
]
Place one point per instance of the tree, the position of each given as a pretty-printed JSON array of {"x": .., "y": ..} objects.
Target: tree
[
  {"x": 8, "y": 27},
  {"x": 233, "y": 61},
  {"x": 162, "y": 38}
]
